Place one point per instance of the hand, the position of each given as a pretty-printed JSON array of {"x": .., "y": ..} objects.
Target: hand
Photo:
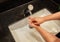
[
  {"x": 37, "y": 20},
  {"x": 49, "y": 37},
  {"x": 33, "y": 23}
]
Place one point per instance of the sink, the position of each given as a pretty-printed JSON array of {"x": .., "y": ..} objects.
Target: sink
[{"x": 22, "y": 33}]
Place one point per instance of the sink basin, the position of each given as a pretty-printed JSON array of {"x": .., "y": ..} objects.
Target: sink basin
[{"x": 22, "y": 33}]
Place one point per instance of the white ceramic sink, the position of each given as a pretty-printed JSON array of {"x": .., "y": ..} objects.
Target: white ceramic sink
[{"x": 22, "y": 33}]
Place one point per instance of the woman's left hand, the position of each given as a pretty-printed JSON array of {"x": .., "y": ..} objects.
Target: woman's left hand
[{"x": 31, "y": 23}]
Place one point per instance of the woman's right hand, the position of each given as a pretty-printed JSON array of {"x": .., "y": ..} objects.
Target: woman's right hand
[{"x": 37, "y": 20}]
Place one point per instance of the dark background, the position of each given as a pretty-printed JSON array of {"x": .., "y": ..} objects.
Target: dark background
[{"x": 8, "y": 4}]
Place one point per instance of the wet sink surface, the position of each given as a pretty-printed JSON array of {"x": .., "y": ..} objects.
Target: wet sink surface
[{"x": 22, "y": 33}]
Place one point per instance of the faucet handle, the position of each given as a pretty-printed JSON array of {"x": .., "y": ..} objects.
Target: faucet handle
[{"x": 30, "y": 7}]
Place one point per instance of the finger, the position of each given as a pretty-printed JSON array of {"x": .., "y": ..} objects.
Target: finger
[
  {"x": 35, "y": 23},
  {"x": 32, "y": 21},
  {"x": 31, "y": 18},
  {"x": 30, "y": 24},
  {"x": 29, "y": 21}
]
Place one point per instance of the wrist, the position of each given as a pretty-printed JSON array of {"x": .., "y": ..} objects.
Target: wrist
[
  {"x": 43, "y": 19},
  {"x": 46, "y": 19}
]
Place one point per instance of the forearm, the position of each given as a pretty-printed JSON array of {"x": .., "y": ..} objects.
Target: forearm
[
  {"x": 46, "y": 35},
  {"x": 55, "y": 16}
]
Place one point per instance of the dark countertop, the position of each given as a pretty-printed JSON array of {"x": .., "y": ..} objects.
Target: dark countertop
[
  {"x": 10, "y": 16},
  {"x": 8, "y": 4}
]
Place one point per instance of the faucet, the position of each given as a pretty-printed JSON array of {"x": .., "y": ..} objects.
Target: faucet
[{"x": 28, "y": 11}]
